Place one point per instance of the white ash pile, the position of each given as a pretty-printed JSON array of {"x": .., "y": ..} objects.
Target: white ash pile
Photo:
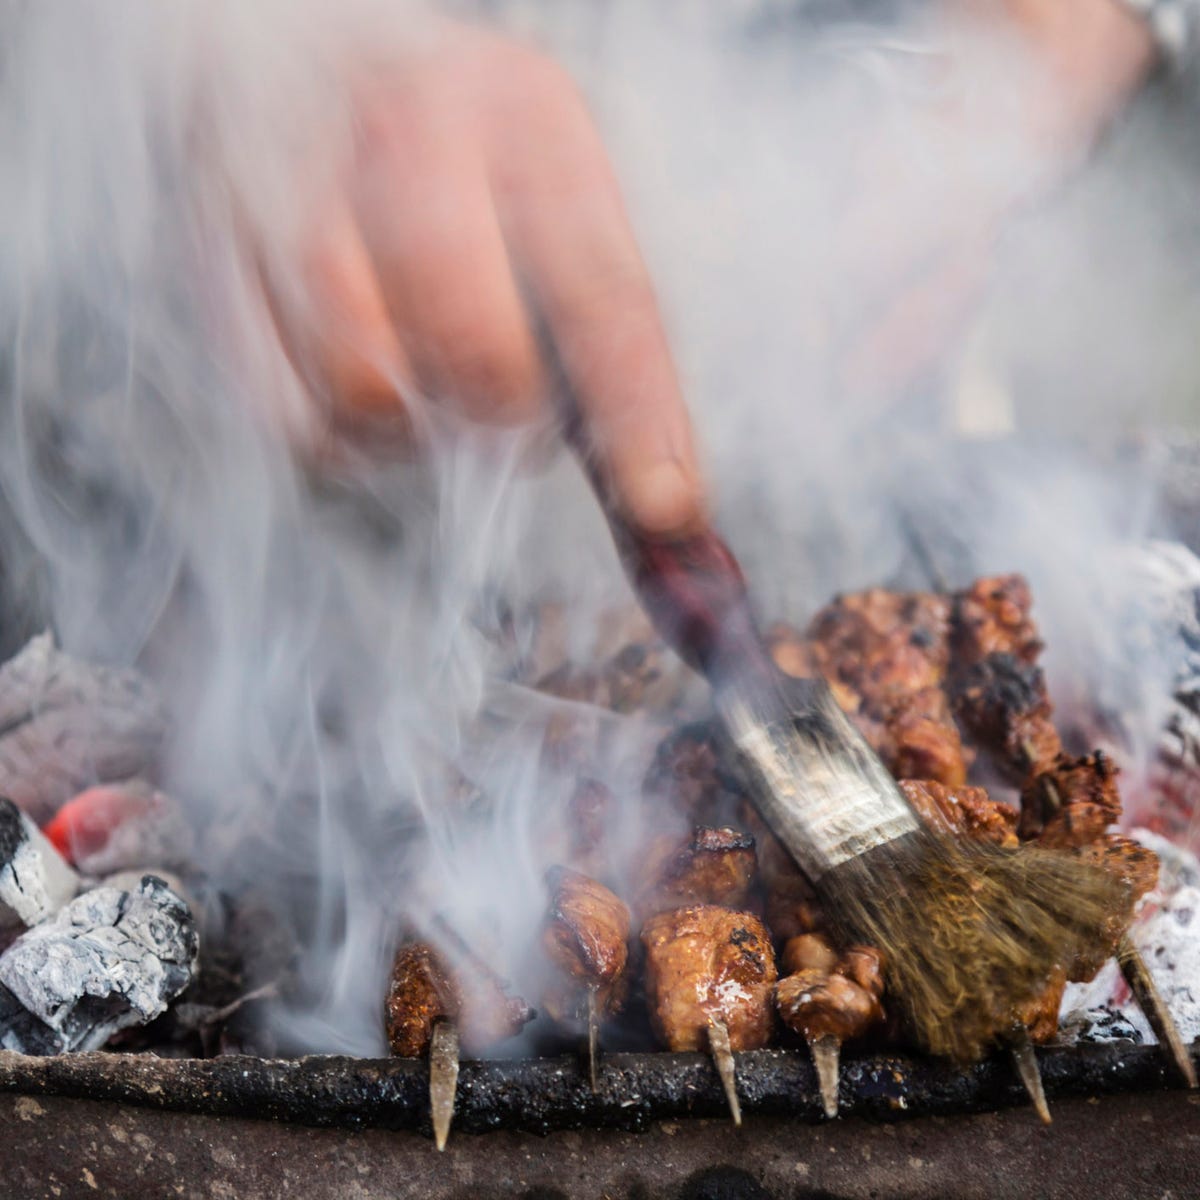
[
  {"x": 87, "y": 953},
  {"x": 108, "y": 960}
]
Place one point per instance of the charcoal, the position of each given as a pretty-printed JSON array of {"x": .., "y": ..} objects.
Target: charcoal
[
  {"x": 35, "y": 880},
  {"x": 123, "y": 826},
  {"x": 66, "y": 724},
  {"x": 1103, "y": 1025},
  {"x": 109, "y": 960}
]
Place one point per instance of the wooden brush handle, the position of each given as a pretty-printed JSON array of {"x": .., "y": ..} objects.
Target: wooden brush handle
[
  {"x": 694, "y": 591},
  {"x": 691, "y": 587}
]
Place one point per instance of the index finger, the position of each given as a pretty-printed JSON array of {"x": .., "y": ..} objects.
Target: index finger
[{"x": 567, "y": 225}]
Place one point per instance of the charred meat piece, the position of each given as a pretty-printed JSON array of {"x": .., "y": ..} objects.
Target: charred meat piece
[
  {"x": 819, "y": 1004},
  {"x": 713, "y": 866},
  {"x": 1072, "y": 802},
  {"x": 1040, "y": 1014},
  {"x": 706, "y": 964},
  {"x": 450, "y": 983},
  {"x": 792, "y": 908},
  {"x": 864, "y": 964},
  {"x": 918, "y": 739},
  {"x": 795, "y": 655},
  {"x": 640, "y": 676},
  {"x": 808, "y": 952},
  {"x": 882, "y": 643},
  {"x": 992, "y": 617},
  {"x": 997, "y": 688},
  {"x": 590, "y": 813},
  {"x": 969, "y": 811},
  {"x": 627, "y": 669},
  {"x": 687, "y": 774},
  {"x": 1133, "y": 863},
  {"x": 828, "y": 1001},
  {"x": 419, "y": 995},
  {"x": 586, "y": 936},
  {"x": 1001, "y": 701},
  {"x": 890, "y": 652}
]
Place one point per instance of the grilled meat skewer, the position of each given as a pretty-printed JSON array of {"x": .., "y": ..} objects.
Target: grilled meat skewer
[
  {"x": 710, "y": 973},
  {"x": 829, "y": 1000},
  {"x": 585, "y": 935}
]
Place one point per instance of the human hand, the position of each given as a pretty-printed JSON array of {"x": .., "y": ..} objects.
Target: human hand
[
  {"x": 1029, "y": 86},
  {"x": 478, "y": 192}
]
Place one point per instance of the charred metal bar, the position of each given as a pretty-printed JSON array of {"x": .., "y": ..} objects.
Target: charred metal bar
[{"x": 540, "y": 1095}]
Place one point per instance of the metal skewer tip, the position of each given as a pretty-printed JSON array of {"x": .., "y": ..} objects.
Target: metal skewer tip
[
  {"x": 1149, "y": 998},
  {"x": 593, "y": 1040},
  {"x": 826, "y": 1053},
  {"x": 443, "y": 1079},
  {"x": 1025, "y": 1060},
  {"x": 718, "y": 1041}
]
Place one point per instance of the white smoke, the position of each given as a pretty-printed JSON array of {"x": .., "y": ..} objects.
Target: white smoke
[{"x": 320, "y": 631}]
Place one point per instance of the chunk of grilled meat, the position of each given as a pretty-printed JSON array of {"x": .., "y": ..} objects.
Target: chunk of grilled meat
[
  {"x": 628, "y": 668},
  {"x": 881, "y": 643},
  {"x": 705, "y": 963},
  {"x": 795, "y": 655},
  {"x": 885, "y": 656},
  {"x": 818, "y": 1004},
  {"x": 792, "y": 908},
  {"x": 918, "y": 739},
  {"x": 586, "y": 937},
  {"x": 419, "y": 995},
  {"x": 1071, "y": 802},
  {"x": 826, "y": 994},
  {"x": 1135, "y": 864},
  {"x": 864, "y": 964},
  {"x": 1040, "y": 1014},
  {"x": 591, "y": 812},
  {"x": 996, "y": 686},
  {"x": 968, "y": 811},
  {"x": 450, "y": 983},
  {"x": 712, "y": 866},
  {"x": 1001, "y": 702},
  {"x": 992, "y": 617},
  {"x": 807, "y": 952},
  {"x": 687, "y": 774}
]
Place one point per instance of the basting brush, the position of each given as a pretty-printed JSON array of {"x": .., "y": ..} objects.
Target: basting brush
[{"x": 970, "y": 931}]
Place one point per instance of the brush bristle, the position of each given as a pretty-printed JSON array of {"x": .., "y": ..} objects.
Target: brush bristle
[{"x": 973, "y": 933}]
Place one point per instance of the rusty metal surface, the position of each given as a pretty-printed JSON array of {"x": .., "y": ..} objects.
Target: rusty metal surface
[
  {"x": 542, "y": 1095},
  {"x": 1127, "y": 1147}
]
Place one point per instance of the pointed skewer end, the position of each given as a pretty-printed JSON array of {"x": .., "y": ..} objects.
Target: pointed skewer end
[
  {"x": 718, "y": 1041},
  {"x": 1025, "y": 1060},
  {"x": 826, "y": 1055},
  {"x": 593, "y": 1041},
  {"x": 443, "y": 1080},
  {"x": 1149, "y": 999}
]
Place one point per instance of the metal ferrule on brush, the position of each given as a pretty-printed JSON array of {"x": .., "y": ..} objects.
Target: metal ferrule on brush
[{"x": 817, "y": 783}]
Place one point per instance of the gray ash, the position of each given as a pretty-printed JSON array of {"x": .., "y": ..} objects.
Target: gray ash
[{"x": 108, "y": 960}]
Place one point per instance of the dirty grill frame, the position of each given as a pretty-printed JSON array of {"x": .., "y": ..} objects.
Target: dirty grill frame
[{"x": 543, "y": 1095}]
